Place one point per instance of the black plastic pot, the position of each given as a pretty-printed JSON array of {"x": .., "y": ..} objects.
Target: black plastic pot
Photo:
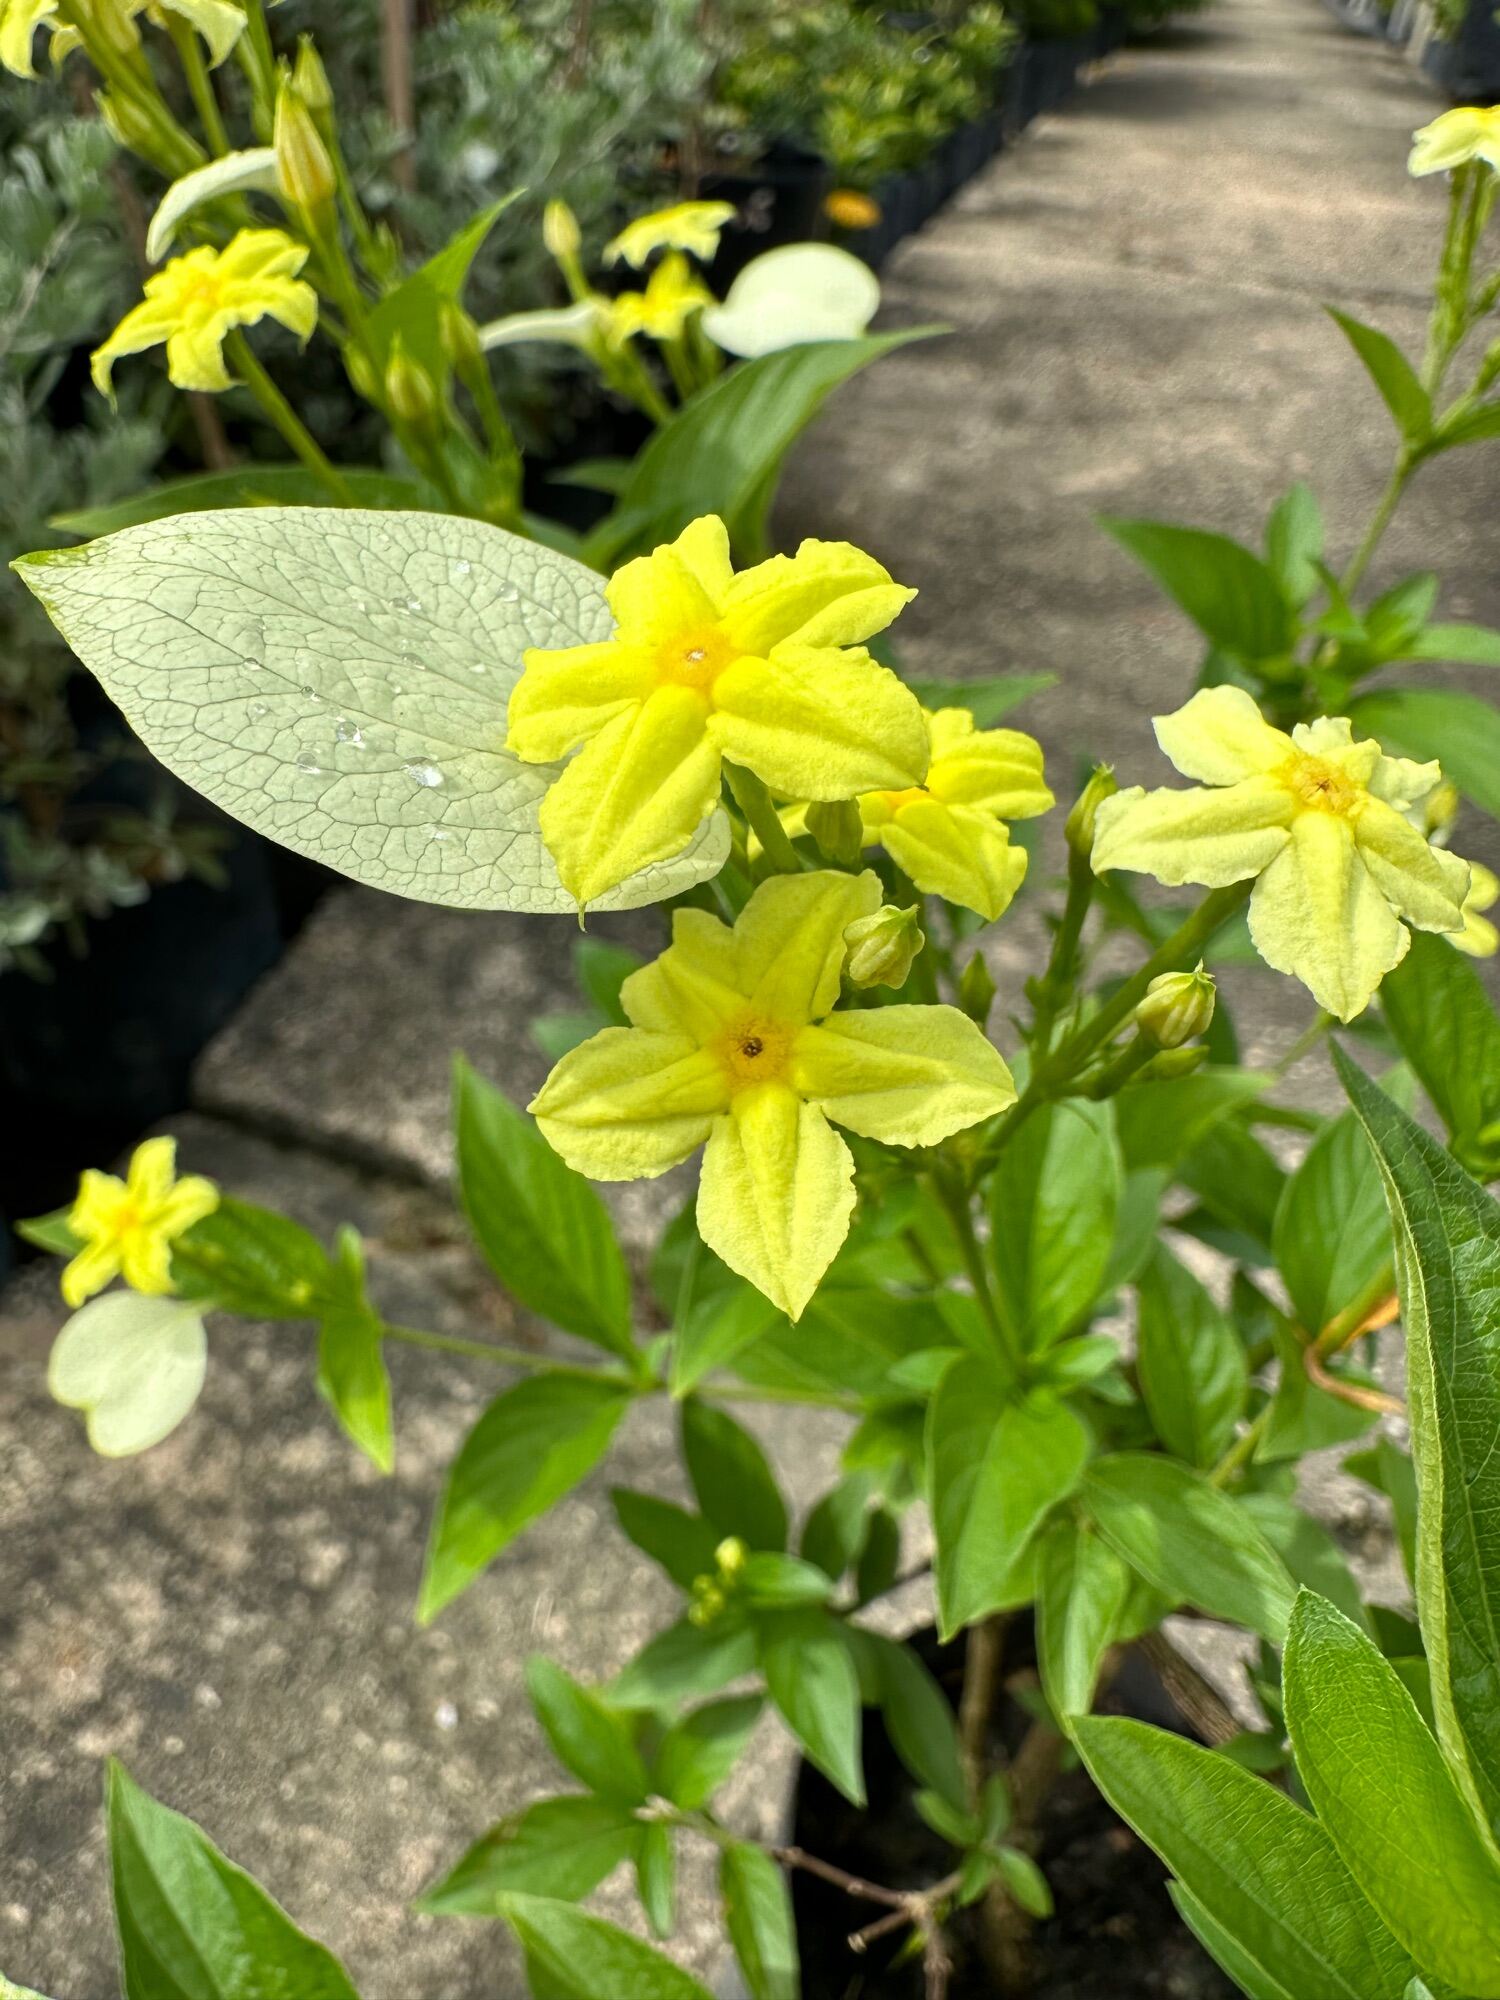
[
  {"x": 1016, "y": 91},
  {"x": 1468, "y": 67},
  {"x": 779, "y": 199}
]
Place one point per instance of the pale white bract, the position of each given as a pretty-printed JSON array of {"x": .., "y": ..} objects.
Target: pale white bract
[
  {"x": 801, "y": 292},
  {"x": 252, "y": 172},
  {"x": 134, "y": 1365}
]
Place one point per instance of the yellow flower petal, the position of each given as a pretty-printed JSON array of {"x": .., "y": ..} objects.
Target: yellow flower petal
[
  {"x": 218, "y": 21},
  {"x": 703, "y": 548},
  {"x": 99, "y": 1200},
  {"x": 906, "y": 1075},
  {"x": 145, "y": 325},
  {"x": 1402, "y": 783},
  {"x": 815, "y": 723},
  {"x": 188, "y": 1202},
  {"x": 146, "y": 1261},
  {"x": 999, "y": 769},
  {"x": 790, "y": 940},
  {"x": 827, "y": 594},
  {"x": 1469, "y": 133},
  {"x": 1211, "y": 838},
  {"x": 1220, "y": 737},
  {"x": 628, "y": 1104},
  {"x": 94, "y": 1267},
  {"x": 693, "y": 987},
  {"x": 566, "y": 696},
  {"x": 195, "y": 358},
  {"x": 19, "y": 21},
  {"x": 1479, "y": 938},
  {"x": 661, "y": 594},
  {"x": 957, "y": 852},
  {"x": 1424, "y": 884},
  {"x": 777, "y": 1194},
  {"x": 152, "y": 1167},
  {"x": 693, "y": 226},
  {"x": 635, "y": 794},
  {"x": 1318, "y": 914}
]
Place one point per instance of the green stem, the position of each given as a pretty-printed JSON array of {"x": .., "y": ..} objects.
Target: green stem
[
  {"x": 285, "y": 418},
  {"x": 1342, "y": 1328},
  {"x": 1121, "y": 1068},
  {"x": 1240, "y": 1453},
  {"x": 506, "y": 1357},
  {"x": 756, "y": 803},
  {"x": 1305, "y": 1043},
  {"x": 1057, "y": 980},
  {"x": 1380, "y": 520},
  {"x": 954, "y": 1196},
  {"x": 199, "y": 83}
]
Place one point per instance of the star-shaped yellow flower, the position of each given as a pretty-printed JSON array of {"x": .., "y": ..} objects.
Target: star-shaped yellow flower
[
  {"x": 692, "y": 226},
  {"x": 195, "y": 300},
  {"x": 735, "y": 1042},
  {"x": 1317, "y": 819},
  {"x": 128, "y": 1227},
  {"x": 764, "y": 669},
  {"x": 219, "y": 22},
  {"x": 949, "y": 833},
  {"x": 1469, "y": 133},
  {"x": 663, "y": 309}
]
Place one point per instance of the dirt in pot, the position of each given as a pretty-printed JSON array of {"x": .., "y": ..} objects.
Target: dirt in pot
[{"x": 1115, "y": 1934}]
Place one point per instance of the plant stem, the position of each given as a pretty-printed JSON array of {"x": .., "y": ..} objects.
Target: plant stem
[
  {"x": 285, "y": 418},
  {"x": 756, "y": 803},
  {"x": 1241, "y": 1451},
  {"x": 199, "y": 83},
  {"x": 1305, "y": 1043},
  {"x": 1380, "y": 520},
  {"x": 506, "y": 1357},
  {"x": 953, "y": 1193},
  {"x": 984, "y": 1651},
  {"x": 1062, "y": 961}
]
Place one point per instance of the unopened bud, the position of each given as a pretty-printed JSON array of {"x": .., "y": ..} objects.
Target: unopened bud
[
  {"x": 1169, "y": 1063},
  {"x": 409, "y": 389},
  {"x": 310, "y": 79},
  {"x": 1080, "y": 823},
  {"x": 730, "y": 1558},
  {"x": 976, "y": 989},
  {"x": 1439, "y": 811},
  {"x": 361, "y": 375},
  {"x": 303, "y": 168},
  {"x": 460, "y": 337},
  {"x": 837, "y": 828},
  {"x": 126, "y": 124},
  {"x": 706, "y": 1603},
  {"x": 560, "y": 232},
  {"x": 1178, "y": 1008},
  {"x": 881, "y": 948}
]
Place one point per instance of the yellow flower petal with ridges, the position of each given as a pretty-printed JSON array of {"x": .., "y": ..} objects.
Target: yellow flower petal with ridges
[
  {"x": 1322, "y": 822},
  {"x": 196, "y": 299},
  {"x": 219, "y": 22},
  {"x": 663, "y": 309},
  {"x": 777, "y": 1194},
  {"x": 700, "y": 657},
  {"x": 1479, "y": 937},
  {"x": 1000, "y": 770},
  {"x": 692, "y": 226},
  {"x": 129, "y": 1226},
  {"x": 1469, "y": 133},
  {"x": 734, "y": 1040},
  {"x": 19, "y": 21},
  {"x": 957, "y": 852}
]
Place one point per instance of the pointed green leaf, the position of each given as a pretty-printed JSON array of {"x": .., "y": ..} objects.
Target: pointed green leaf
[
  {"x": 810, "y": 1676},
  {"x": 592, "y": 1740},
  {"x": 1227, "y": 591},
  {"x": 758, "y": 1916},
  {"x": 733, "y": 1482},
  {"x": 1053, "y": 1201},
  {"x": 1082, "y": 1591},
  {"x": 562, "y": 1847},
  {"x": 1437, "y": 1008},
  {"x": 1331, "y": 1238},
  {"x": 1461, "y": 731},
  {"x": 245, "y": 486},
  {"x": 352, "y": 1376},
  {"x": 573, "y": 1956},
  {"x": 699, "y": 1752},
  {"x": 1469, "y": 645},
  {"x": 1193, "y": 1372},
  {"x": 1393, "y": 375},
  {"x": 1294, "y": 542}
]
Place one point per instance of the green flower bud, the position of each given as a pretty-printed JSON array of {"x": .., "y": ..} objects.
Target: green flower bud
[
  {"x": 560, "y": 232},
  {"x": 303, "y": 167},
  {"x": 706, "y": 1602},
  {"x": 730, "y": 1558},
  {"x": 976, "y": 989},
  {"x": 126, "y": 124},
  {"x": 1176, "y": 1062},
  {"x": 409, "y": 389},
  {"x": 310, "y": 79},
  {"x": 837, "y": 828},
  {"x": 1080, "y": 822},
  {"x": 880, "y": 949},
  {"x": 460, "y": 337},
  {"x": 361, "y": 375},
  {"x": 1178, "y": 1008}
]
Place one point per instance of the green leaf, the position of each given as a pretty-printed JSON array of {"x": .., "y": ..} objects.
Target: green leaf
[
  {"x": 351, "y": 1366},
  {"x": 656, "y": 1876},
  {"x": 1236, "y": 1179},
  {"x": 1082, "y": 1589},
  {"x": 768, "y": 1578},
  {"x": 995, "y": 1470},
  {"x": 533, "y": 1444},
  {"x": 1294, "y": 543},
  {"x": 1190, "y": 1541},
  {"x": 1228, "y": 592},
  {"x": 716, "y": 1329},
  {"x": 579, "y": 1957},
  {"x": 681, "y": 1542},
  {"x": 1313, "y": 1558},
  {"x": 810, "y": 1676},
  {"x": 588, "y": 1737},
  {"x": 722, "y": 452},
  {"x": 1471, "y": 426},
  {"x": 1025, "y": 1882},
  {"x": 413, "y": 312},
  {"x": 338, "y": 680},
  {"x": 1469, "y": 645},
  {"x": 1265, "y": 1872},
  {"x": 836, "y": 1528},
  {"x": 758, "y": 1917},
  {"x": 1193, "y": 1372},
  {"x": 246, "y": 486},
  {"x": 989, "y": 700},
  {"x": 1448, "y": 1273},
  {"x": 1161, "y": 1125},
  {"x": 1302, "y": 1416},
  {"x": 731, "y": 1479},
  {"x": 252, "y": 1261},
  {"x": 1052, "y": 1204},
  {"x": 602, "y": 968},
  {"x": 699, "y": 1752},
  {"x": 1332, "y": 1239},
  {"x": 918, "y": 1716},
  {"x": 1246, "y": 1972},
  {"x": 1389, "y": 1802},
  {"x": 1436, "y": 1006},
  {"x": 191, "y": 1924},
  {"x": 52, "y": 1232},
  {"x": 684, "y": 1661},
  {"x": 1460, "y": 730},
  {"x": 544, "y": 1231},
  {"x": 1393, "y": 375},
  {"x": 558, "y": 1847}
]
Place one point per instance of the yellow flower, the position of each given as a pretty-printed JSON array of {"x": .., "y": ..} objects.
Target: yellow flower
[
  {"x": 847, "y": 208},
  {"x": 692, "y": 226},
  {"x": 129, "y": 1226},
  {"x": 949, "y": 833},
  {"x": 735, "y": 1043},
  {"x": 663, "y": 309},
  {"x": 219, "y": 22},
  {"x": 1316, "y": 819},
  {"x": 19, "y": 21},
  {"x": 1479, "y": 937},
  {"x": 1456, "y": 138},
  {"x": 764, "y": 669},
  {"x": 195, "y": 300}
]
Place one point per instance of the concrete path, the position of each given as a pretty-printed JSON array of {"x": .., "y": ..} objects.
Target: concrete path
[{"x": 1134, "y": 293}]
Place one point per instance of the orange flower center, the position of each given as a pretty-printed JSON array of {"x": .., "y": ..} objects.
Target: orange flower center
[
  {"x": 1322, "y": 787},
  {"x": 755, "y": 1049},
  {"x": 695, "y": 658}
]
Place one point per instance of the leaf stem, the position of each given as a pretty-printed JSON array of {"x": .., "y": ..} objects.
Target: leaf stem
[
  {"x": 1380, "y": 520},
  {"x": 285, "y": 418},
  {"x": 756, "y": 803}
]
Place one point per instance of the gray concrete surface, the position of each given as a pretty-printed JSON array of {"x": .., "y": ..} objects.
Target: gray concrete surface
[{"x": 1135, "y": 296}]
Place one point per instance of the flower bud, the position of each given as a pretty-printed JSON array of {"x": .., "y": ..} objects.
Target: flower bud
[
  {"x": 409, "y": 389},
  {"x": 1178, "y": 1007},
  {"x": 730, "y": 1558},
  {"x": 837, "y": 828},
  {"x": 706, "y": 1602},
  {"x": 976, "y": 989},
  {"x": 460, "y": 337},
  {"x": 303, "y": 168},
  {"x": 310, "y": 79},
  {"x": 127, "y": 125},
  {"x": 1169, "y": 1063},
  {"x": 1439, "y": 811},
  {"x": 560, "y": 232},
  {"x": 881, "y": 948},
  {"x": 1080, "y": 823},
  {"x": 361, "y": 375}
]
